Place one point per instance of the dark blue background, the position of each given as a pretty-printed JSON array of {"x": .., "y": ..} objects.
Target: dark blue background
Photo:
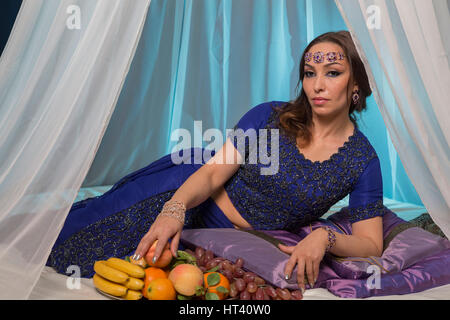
[{"x": 8, "y": 13}]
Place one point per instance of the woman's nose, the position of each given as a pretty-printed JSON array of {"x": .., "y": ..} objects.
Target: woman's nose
[{"x": 319, "y": 83}]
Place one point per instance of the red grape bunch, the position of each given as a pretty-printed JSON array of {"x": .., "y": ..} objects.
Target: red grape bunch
[{"x": 244, "y": 284}]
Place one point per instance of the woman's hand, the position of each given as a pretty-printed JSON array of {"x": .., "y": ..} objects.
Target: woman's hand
[
  {"x": 307, "y": 254},
  {"x": 162, "y": 229}
]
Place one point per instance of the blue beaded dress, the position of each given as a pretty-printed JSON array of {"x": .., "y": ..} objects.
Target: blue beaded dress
[{"x": 300, "y": 191}]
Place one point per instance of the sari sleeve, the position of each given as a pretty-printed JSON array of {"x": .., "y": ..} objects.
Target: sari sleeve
[{"x": 366, "y": 198}]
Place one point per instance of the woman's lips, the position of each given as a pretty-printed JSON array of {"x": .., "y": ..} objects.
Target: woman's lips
[{"x": 319, "y": 101}]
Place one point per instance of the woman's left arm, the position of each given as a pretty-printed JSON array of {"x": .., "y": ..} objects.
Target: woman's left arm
[
  {"x": 366, "y": 240},
  {"x": 365, "y": 213}
]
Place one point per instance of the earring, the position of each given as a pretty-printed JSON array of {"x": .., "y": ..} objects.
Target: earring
[{"x": 355, "y": 97}]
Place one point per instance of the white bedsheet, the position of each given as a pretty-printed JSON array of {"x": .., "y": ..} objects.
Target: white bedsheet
[{"x": 55, "y": 286}]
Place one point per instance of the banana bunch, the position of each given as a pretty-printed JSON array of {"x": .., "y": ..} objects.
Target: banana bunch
[{"x": 119, "y": 278}]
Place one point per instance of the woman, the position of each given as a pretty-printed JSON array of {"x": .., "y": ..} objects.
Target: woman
[{"x": 323, "y": 157}]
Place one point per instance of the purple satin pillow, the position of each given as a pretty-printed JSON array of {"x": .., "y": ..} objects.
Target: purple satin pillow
[
  {"x": 406, "y": 249},
  {"x": 260, "y": 256}
]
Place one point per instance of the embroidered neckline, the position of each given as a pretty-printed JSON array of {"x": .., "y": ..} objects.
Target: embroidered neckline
[{"x": 333, "y": 156}]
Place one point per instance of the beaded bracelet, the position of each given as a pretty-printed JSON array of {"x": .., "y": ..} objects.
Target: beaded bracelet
[
  {"x": 174, "y": 209},
  {"x": 331, "y": 238}
]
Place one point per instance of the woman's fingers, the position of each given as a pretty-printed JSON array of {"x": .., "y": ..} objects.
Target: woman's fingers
[
  {"x": 289, "y": 267},
  {"x": 162, "y": 229},
  {"x": 144, "y": 245},
  {"x": 301, "y": 274},
  {"x": 301, "y": 264},
  {"x": 162, "y": 241},
  {"x": 286, "y": 249},
  {"x": 174, "y": 244},
  {"x": 316, "y": 271},
  {"x": 310, "y": 272}
]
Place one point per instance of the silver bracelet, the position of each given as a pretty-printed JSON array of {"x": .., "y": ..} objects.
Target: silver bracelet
[{"x": 174, "y": 209}]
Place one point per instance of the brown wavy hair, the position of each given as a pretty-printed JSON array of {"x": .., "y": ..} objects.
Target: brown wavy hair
[{"x": 295, "y": 117}]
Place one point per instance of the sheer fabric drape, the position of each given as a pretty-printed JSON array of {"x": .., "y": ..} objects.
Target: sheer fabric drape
[
  {"x": 60, "y": 75},
  {"x": 202, "y": 60},
  {"x": 210, "y": 61},
  {"x": 405, "y": 47}
]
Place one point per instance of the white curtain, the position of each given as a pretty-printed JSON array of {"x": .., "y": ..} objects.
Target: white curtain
[
  {"x": 60, "y": 76},
  {"x": 405, "y": 45}
]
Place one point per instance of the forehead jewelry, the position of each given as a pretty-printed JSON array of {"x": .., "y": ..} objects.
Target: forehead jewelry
[{"x": 319, "y": 55}]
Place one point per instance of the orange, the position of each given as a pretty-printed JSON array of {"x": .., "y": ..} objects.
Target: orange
[
  {"x": 163, "y": 261},
  {"x": 151, "y": 274},
  {"x": 161, "y": 289},
  {"x": 221, "y": 287}
]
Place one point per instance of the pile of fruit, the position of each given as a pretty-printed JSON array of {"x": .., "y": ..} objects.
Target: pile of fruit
[{"x": 193, "y": 275}]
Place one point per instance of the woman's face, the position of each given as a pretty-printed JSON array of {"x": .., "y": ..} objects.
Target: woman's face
[{"x": 328, "y": 80}]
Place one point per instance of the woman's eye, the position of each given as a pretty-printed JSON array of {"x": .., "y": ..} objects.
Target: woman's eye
[
  {"x": 333, "y": 73},
  {"x": 336, "y": 73}
]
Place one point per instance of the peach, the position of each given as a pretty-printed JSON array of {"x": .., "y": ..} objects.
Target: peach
[
  {"x": 186, "y": 278},
  {"x": 164, "y": 259}
]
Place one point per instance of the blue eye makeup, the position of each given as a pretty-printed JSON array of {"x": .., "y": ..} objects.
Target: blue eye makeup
[{"x": 333, "y": 74}]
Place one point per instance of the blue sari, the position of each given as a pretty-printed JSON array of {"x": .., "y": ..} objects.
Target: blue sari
[
  {"x": 112, "y": 225},
  {"x": 299, "y": 192}
]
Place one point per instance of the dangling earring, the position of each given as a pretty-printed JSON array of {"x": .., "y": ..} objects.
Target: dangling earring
[{"x": 355, "y": 97}]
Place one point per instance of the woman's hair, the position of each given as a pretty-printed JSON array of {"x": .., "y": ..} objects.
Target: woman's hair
[{"x": 295, "y": 117}]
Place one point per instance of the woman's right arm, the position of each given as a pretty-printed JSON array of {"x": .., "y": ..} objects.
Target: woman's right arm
[{"x": 194, "y": 191}]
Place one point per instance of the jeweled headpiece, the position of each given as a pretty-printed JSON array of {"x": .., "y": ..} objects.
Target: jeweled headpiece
[{"x": 319, "y": 55}]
